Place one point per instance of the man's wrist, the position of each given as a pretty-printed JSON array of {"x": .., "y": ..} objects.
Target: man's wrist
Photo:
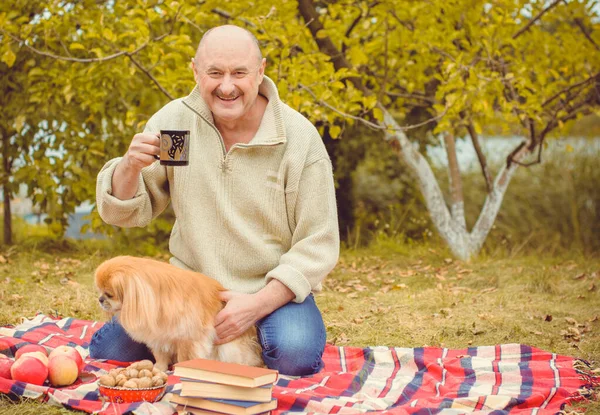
[
  {"x": 125, "y": 180},
  {"x": 274, "y": 295}
]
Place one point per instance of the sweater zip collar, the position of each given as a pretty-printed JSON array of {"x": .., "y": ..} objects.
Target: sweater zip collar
[{"x": 271, "y": 130}]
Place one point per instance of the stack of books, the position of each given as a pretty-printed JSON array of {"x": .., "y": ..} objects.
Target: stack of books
[{"x": 209, "y": 387}]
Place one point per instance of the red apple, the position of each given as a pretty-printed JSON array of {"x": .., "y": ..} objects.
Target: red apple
[
  {"x": 62, "y": 370},
  {"x": 31, "y": 348},
  {"x": 38, "y": 355},
  {"x": 4, "y": 345},
  {"x": 29, "y": 369},
  {"x": 70, "y": 352},
  {"x": 5, "y": 365}
]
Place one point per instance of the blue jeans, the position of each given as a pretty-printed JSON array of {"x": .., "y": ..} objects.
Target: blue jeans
[{"x": 292, "y": 338}]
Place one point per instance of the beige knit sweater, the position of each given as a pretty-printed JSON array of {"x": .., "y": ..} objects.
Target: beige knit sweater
[{"x": 263, "y": 210}]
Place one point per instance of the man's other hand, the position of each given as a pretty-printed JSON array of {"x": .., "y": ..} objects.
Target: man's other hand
[{"x": 240, "y": 313}]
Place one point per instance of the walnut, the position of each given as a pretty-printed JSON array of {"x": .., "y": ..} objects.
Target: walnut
[
  {"x": 144, "y": 382},
  {"x": 107, "y": 380},
  {"x": 145, "y": 364},
  {"x": 157, "y": 381},
  {"x": 145, "y": 373},
  {"x": 131, "y": 384},
  {"x": 132, "y": 373},
  {"x": 120, "y": 379}
]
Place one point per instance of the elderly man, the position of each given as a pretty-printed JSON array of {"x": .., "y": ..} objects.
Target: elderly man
[{"x": 255, "y": 208}]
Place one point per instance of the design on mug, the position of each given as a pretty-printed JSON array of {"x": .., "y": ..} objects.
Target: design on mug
[{"x": 177, "y": 147}]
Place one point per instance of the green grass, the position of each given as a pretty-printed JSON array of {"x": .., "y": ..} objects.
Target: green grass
[{"x": 389, "y": 294}]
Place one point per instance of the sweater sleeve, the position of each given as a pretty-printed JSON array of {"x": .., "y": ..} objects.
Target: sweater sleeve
[
  {"x": 151, "y": 198},
  {"x": 315, "y": 241}
]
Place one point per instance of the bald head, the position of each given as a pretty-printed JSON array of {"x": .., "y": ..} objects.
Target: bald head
[{"x": 227, "y": 35}]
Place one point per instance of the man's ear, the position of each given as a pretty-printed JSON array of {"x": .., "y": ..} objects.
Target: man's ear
[
  {"x": 261, "y": 70},
  {"x": 194, "y": 69}
]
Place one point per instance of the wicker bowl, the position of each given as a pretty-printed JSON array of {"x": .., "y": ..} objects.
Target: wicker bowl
[{"x": 117, "y": 394}]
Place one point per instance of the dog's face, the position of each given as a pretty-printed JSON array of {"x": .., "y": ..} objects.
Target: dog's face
[
  {"x": 109, "y": 302},
  {"x": 109, "y": 282}
]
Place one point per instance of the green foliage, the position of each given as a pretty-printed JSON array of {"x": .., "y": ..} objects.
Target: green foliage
[{"x": 81, "y": 78}]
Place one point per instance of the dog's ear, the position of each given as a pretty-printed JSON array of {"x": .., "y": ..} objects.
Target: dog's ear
[{"x": 139, "y": 305}]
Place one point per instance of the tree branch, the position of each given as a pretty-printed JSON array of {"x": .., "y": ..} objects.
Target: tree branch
[
  {"x": 311, "y": 16},
  {"x": 595, "y": 77},
  {"x": 537, "y": 161},
  {"x": 353, "y": 24},
  {"x": 412, "y": 96},
  {"x": 386, "y": 67},
  {"x": 71, "y": 59},
  {"x": 587, "y": 35},
  {"x": 83, "y": 60},
  {"x": 535, "y": 19},
  {"x": 368, "y": 123},
  {"x": 409, "y": 25},
  {"x": 480, "y": 156},
  {"x": 152, "y": 78},
  {"x": 227, "y": 15}
]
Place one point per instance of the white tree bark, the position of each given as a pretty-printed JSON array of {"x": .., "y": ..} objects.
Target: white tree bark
[{"x": 450, "y": 225}]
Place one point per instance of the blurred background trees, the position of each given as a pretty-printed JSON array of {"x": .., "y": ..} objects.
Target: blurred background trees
[{"x": 427, "y": 109}]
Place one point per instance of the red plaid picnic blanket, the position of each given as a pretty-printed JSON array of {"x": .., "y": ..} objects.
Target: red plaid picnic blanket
[{"x": 502, "y": 379}]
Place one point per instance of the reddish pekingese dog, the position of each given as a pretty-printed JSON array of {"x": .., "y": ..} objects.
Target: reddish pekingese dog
[{"x": 171, "y": 310}]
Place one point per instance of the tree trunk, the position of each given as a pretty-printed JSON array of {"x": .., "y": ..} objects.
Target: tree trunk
[
  {"x": 450, "y": 226},
  {"x": 6, "y": 172},
  {"x": 457, "y": 203},
  {"x": 7, "y": 218},
  {"x": 462, "y": 243}
]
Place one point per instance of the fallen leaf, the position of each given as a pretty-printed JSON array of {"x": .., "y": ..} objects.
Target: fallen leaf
[{"x": 571, "y": 267}]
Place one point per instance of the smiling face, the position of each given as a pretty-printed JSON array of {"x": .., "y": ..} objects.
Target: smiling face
[{"x": 228, "y": 70}]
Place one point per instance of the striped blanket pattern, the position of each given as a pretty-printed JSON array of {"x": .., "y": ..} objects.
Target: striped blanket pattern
[{"x": 501, "y": 379}]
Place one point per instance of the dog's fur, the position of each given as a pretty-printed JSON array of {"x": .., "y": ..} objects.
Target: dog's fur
[{"x": 171, "y": 310}]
